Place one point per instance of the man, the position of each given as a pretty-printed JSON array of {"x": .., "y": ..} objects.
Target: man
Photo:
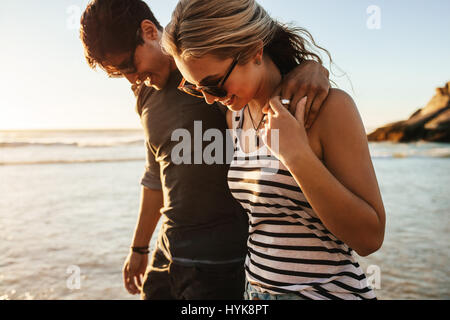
[{"x": 202, "y": 241}]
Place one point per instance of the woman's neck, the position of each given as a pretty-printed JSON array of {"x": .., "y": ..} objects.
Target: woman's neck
[{"x": 271, "y": 78}]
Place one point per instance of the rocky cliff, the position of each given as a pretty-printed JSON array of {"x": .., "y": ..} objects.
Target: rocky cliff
[{"x": 431, "y": 123}]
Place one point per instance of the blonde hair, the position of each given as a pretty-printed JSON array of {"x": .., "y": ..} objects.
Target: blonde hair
[{"x": 225, "y": 28}]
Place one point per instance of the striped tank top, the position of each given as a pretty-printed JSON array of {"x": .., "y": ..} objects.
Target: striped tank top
[{"x": 289, "y": 248}]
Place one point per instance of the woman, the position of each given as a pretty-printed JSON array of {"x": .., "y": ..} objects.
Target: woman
[{"x": 312, "y": 196}]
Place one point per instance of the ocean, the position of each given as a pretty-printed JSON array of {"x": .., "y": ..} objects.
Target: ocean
[{"x": 69, "y": 203}]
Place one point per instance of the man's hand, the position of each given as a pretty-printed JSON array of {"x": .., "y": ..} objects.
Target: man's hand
[
  {"x": 308, "y": 79},
  {"x": 133, "y": 272}
]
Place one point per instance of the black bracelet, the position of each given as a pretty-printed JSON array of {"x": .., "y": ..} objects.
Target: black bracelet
[{"x": 140, "y": 250}]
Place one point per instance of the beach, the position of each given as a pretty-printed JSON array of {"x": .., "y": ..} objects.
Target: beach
[{"x": 69, "y": 201}]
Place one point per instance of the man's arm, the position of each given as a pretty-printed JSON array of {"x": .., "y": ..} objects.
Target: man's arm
[
  {"x": 309, "y": 79},
  {"x": 150, "y": 207},
  {"x": 149, "y": 214}
]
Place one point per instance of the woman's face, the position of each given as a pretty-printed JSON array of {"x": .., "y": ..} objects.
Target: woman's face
[{"x": 241, "y": 85}]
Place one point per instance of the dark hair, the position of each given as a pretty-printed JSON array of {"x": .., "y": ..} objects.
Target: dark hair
[
  {"x": 290, "y": 46},
  {"x": 110, "y": 27}
]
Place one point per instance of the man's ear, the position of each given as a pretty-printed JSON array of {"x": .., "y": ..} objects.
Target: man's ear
[{"x": 149, "y": 31}]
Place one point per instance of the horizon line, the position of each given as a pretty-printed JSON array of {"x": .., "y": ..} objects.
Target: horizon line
[
  {"x": 368, "y": 129},
  {"x": 71, "y": 129}
]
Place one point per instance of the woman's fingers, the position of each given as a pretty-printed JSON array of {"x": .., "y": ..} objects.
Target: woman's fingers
[
  {"x": 313, "y": 112},
  {"x": 308, "y": 105},
  {"x": 277, "y": 107},
  {"x": 296, "y": 96},
  {"x": 300, "y": 110}
]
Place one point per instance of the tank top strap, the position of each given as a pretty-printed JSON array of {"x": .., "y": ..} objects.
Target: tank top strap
[{"x": 237, "y": 121}]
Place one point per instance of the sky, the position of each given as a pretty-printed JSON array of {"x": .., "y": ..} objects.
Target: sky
[{"x": 394, "y": 53}]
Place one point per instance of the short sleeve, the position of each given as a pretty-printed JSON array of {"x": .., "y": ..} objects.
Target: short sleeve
[{"x": 152, "y": 177}]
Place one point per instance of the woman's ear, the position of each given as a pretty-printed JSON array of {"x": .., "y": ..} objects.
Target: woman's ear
[
  {"x": 149, "y": 31},
  {"x": 259, "y": 55}
]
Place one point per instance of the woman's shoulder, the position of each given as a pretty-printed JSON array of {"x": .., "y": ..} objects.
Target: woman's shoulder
[
  {"x": 338, "y": 101},
  {"x": 338, "y": 124},
  {"x": 337, "y": 111}
]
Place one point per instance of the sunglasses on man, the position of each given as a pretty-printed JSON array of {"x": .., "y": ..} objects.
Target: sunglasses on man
[
  {"x": 127, "y": 67},
  {"x": 216, "y": 90}
]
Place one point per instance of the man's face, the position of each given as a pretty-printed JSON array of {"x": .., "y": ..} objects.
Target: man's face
[{"x": 151, "y": 65}]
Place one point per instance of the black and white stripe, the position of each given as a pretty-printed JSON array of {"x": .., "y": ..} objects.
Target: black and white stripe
[{"x": 289, "y": 248}]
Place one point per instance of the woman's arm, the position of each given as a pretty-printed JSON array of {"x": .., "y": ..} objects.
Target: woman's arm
[{"x": 343, "y": 190}]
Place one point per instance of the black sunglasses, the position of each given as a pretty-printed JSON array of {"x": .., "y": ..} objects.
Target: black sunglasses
[
  {"x": 216, "y": 91},
  {"x": 128, "y": 66}
]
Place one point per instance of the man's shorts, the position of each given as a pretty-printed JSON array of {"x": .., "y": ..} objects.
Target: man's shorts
[{"x": 165, "y": 280}]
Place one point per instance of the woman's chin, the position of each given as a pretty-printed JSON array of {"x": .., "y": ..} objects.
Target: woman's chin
[
  {"x": 231, "y": 103},
  {"x": 235, "y": 108}
]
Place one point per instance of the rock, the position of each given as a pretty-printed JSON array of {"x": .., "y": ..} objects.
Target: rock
[{"x": 431, "y": 123}]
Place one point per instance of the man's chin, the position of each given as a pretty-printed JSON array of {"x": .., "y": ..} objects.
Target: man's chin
[
  {"x": 155, "y": 86},
  {"x": 158, "y": 85}
]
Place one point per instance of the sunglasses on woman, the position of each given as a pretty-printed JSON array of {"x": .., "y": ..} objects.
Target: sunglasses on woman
[{"x": 216, "y": 91}]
